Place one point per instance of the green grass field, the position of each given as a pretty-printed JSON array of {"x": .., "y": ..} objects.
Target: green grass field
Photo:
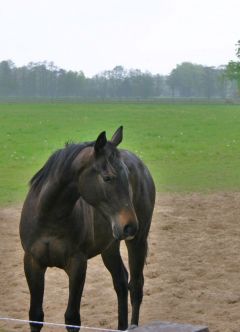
[{"x": 186, "y": 147}]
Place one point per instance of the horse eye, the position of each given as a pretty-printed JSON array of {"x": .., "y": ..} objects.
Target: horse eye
[{"x": 107, "y": 178}]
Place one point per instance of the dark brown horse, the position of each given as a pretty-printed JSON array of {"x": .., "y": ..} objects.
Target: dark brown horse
[{"x": 81, "y": 203}]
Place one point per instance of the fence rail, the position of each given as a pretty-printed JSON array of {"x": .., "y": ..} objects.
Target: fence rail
[
  {"x": 152, "y": 327},
  {"x": 161, "y": 100}
]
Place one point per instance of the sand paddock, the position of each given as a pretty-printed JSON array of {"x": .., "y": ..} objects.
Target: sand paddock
[{"x": 192, "y": 273}]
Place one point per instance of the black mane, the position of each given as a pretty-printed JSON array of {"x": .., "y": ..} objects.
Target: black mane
[{"x": 59, "y": 162}]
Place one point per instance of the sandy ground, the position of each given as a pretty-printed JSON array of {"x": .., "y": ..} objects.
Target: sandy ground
[{"x": 192, "y": 273}]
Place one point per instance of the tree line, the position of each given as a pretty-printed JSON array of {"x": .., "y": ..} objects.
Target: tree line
[
  {"x": 45, "y": 80},
  {"x": 233, "y": 68}
]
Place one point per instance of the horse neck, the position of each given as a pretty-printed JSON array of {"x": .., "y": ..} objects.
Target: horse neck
[{"x": 58, "y": 198}]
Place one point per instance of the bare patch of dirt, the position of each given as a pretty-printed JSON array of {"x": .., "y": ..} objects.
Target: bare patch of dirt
[{"x": 192, "y": 273}]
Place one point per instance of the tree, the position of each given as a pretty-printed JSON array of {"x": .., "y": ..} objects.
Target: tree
[
  {"x": 233, "y": 68},
  {"x": 186, "y": 80},
  {"x": 7, "y": 83}
]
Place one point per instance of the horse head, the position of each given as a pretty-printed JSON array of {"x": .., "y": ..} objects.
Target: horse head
[{"x": 103, "y": 181}]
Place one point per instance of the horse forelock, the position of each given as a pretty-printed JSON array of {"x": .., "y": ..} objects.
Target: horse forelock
[
  {"x": 110, "y": 160},
  {"x": 58, "y": 164}
]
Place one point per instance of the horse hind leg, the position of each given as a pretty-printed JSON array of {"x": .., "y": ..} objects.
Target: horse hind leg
[
  {"x": 34, "y": 273},
  {"x": 137, "y": 252},
  {"x": 113, "y": 262}
]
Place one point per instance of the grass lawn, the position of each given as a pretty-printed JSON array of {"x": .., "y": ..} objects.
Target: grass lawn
[{"x": 186, "y": 147}]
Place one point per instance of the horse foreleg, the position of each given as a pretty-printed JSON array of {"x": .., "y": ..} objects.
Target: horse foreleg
[
  {"x": 137, "y": 252},
  {"x": 76, "y": 270},
  {"x": 35, "y": 278},
  {"x": 113, "y": 262}
]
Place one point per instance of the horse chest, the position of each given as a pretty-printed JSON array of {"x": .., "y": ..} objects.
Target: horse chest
[{"x": 52, "y": 250}]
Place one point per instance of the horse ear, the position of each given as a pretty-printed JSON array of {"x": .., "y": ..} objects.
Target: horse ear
[
  {"x": 117, "y": 136},
  {"x": 100, "y": 142}
]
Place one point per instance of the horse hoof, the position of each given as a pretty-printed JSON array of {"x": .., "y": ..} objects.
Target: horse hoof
[{"x": 131, "y": 327}]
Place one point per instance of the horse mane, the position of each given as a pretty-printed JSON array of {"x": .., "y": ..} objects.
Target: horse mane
[{"x": 59, "y": 163}]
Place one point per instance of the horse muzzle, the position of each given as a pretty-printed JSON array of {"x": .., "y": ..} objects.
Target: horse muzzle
[{"x": 125, "y": 226}]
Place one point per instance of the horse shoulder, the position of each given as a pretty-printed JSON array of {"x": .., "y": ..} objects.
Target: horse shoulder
[
  {"x": 142, "y": 186},
  {"x": 140, "y": 176}
]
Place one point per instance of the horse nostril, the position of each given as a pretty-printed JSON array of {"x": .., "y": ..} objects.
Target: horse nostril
[{"x": 129, "y": 230}]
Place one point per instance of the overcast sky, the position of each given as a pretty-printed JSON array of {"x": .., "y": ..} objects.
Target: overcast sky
[{"x": 94, "y": 35}]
